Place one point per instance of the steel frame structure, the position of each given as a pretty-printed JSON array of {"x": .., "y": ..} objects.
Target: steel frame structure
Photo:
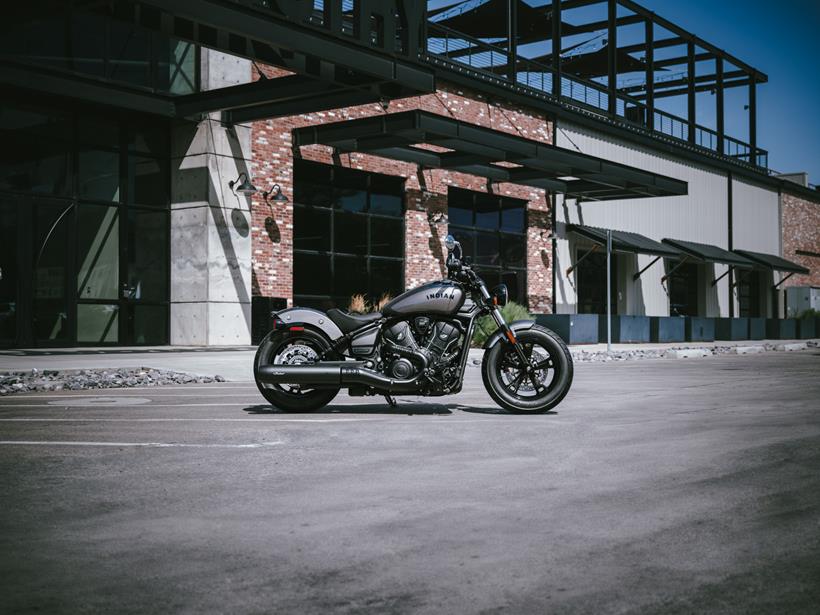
[{"x": 644, "y": 96}]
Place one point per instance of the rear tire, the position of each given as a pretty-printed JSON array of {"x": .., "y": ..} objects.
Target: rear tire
[
  {"x": 507, "y": 383},
  {"x": 281, "y": 396}
]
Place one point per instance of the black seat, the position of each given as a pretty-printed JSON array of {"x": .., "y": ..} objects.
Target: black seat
[{"x": 350, "y": 322}]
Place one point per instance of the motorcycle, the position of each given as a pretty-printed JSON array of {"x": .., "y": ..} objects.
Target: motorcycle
[{"x": 417, "y": 345}]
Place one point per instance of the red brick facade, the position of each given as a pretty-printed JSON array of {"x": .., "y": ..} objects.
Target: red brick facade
[
  {"x": 426, "y": 191},
  {"x": 801, "y": 232}
]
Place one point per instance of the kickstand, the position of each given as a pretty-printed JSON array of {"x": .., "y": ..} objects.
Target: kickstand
[{"x": 391, "y": 401}]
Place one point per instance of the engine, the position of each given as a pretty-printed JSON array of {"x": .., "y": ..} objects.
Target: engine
[{"x": 422, "y": 345}]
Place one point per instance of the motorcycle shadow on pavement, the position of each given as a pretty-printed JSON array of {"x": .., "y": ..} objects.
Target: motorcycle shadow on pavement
[{"x": 413, "y": 408}]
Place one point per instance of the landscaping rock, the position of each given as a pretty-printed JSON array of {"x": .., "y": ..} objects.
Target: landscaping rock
[{"x": 78, "y": 380}]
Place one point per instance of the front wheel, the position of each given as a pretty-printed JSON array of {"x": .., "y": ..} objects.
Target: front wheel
[{"x": 539, "y": 385}]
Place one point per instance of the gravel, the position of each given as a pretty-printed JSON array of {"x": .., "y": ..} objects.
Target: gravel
[
  {"x": 81, "y": 379},
  {"x": 600, "y": 356}
]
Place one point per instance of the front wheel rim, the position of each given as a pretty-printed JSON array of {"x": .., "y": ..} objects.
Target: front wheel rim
[{"x": 529, "y": 382}]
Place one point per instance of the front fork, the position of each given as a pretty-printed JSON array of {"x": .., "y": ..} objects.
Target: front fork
[
  {"x": 527, "y": 366},
  {"x": 495, "y": 312}
]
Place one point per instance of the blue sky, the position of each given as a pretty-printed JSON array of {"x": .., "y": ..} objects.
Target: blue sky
[{"x": 780, "y": 39}]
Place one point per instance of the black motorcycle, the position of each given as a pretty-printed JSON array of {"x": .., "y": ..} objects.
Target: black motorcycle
[{"x": 417, "y": 345}]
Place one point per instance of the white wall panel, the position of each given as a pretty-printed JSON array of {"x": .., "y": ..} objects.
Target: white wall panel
[{"x": 701, "y": 216}]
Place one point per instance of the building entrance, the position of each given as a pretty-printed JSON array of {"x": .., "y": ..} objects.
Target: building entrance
[{"x": 84, "y": 250}]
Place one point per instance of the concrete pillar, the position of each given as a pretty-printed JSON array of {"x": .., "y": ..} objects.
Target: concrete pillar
[{"x": 210, "y": 226}]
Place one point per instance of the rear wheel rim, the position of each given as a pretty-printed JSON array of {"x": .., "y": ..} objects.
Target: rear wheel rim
[{"x": 294, "y": 351}]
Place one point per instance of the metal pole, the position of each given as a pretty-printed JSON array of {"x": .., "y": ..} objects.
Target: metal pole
[{"x": 609, "y": 291}]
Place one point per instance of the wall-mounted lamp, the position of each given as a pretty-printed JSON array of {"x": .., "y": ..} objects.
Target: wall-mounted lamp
[
  {"x": 275, "y": 194},
  {"x": 245, "y": 187},
  {"x": 438, "y": 218}
]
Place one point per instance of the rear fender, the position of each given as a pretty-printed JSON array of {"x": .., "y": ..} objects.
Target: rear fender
[
  {"x": 296, "y": 317},
  {"x": 518, "y": 325}
]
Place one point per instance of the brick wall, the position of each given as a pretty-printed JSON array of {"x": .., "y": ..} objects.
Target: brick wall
[
  {"x": 801, "y": 231},
  {"x": 426, "y": 191}
]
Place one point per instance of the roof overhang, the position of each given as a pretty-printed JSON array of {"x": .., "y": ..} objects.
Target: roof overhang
[
  {"x": 771, "y": 261},
  {"x": 622, "y": 241},
  {"x": 708, "y": 253},
  {"x": 489, "y": 153}
]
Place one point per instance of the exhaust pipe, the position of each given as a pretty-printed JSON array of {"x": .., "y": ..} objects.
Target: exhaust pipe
[{"x": 334, "y": 374}]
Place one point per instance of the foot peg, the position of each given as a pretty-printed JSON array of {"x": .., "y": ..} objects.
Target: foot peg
[{"x": 391, "y": 401}]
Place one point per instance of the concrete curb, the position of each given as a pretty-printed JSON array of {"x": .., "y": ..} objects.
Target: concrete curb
[
  {"x": 748, "y": 349},
  {"x": 687, "y": 353},
  {"x": 791, "y": 347}
]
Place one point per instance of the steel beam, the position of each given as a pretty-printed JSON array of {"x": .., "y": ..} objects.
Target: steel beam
[
  {"x": 612, "y": 56},
  {"x": 688, "y": 36},
  {"x": 46, "y": 81},
  {"x": 341, "y": 99},
  {"x": 603, "y": 25},
  {"x": 683, "y": 81},
  {"x": 735, "y": 83},
  {"x": 753, "y": 123},
  {"x": 649, "y": 38},
  {"x": 249, "y": 94},
  {"x": 691, "y": 111},
  {"x": 556, "y": 48},
  {"x": 512, "y": 39},
  {"x": 719, "y": 106}
]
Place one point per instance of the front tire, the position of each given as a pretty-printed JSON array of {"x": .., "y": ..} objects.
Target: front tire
[
  {"x": 520, "y": 392},
  {"x": 282, "y": 347}
]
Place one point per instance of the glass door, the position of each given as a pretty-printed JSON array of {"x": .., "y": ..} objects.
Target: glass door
[
  {"x": 51, "y": 267},
  {"x": 9, "y": 272},
  {"x": 144, "y": 290}
]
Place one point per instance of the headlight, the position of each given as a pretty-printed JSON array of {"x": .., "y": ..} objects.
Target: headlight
[{"x": 499, "y": 295}]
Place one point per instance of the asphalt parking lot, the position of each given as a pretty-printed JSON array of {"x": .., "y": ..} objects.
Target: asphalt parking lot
[{"x": 658, "y": 486}]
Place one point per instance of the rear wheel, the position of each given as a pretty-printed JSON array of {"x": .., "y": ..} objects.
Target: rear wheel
[
  {"x": 292, "y": 348},
  {"x": 536, "y": 386}
]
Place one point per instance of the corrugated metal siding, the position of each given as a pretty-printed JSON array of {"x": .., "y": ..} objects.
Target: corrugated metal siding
[
  {"x": 702, "y": 216},
  {"x": 756, "y": 219}
]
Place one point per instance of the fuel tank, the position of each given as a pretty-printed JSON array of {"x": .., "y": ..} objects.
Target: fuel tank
[{"x": 442, "y": 298}]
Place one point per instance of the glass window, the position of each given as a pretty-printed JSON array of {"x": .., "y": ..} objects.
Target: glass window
[
  {"x": 476, "y": 220},
  {"x": 176, "y": 66},
  {"x": 149, "y": 325},
  {"x": 88, "y": 43},
  {"x": 486, "y": 210},
  {"x": 149, "y": 138},
  {"x": 98, "y": 252},
  {"x": 683, "y": 289},
  {"x": 311, "y": 274},
  {"x": 350, "y": 233},
  {"x": 386, "y": 195},
  {"x": 311, "y": 228},
  {"x": 147, "y": 255},
  {"x": 366, "y": 220},
  {"x": 9, "y": 270},
  {"x": 591, "y": 282},
  {"x": 386, "y": 276},
  {"x": 350, "y": 190},
  {"x": 386, "y": 237},
  {"x": 147, "y": 181},
  {"x": 99, "y": 175},
  {"x": 97, "y": 324},
  {"x": 513, "y": 215},
  {"x": 349, "y": 276},
  {"x": 129, "y": 54},
  {"x": 53, "y": 223}
]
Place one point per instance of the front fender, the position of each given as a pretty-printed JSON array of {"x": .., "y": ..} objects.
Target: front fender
[
  {"x": 309, "y": 316},
  {"x": 518, "y": 325}
]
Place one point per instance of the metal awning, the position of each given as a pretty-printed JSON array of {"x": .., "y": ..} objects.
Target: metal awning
[
  {"x": 709, "y": 253},
  {"x": 771, "y": 261},
  {"x": 489, "y": 153},
  {"x": 623, "y": 241}
]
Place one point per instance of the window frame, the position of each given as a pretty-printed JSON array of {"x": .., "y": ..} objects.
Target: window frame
[
  {"x": 499, "y": 233},
  {"x": 331, "y": 253}
]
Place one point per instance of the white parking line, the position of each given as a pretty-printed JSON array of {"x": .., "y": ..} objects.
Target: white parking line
[
  {"x": 173, "y": 420},
  {"x": 139, "y": 444}
]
